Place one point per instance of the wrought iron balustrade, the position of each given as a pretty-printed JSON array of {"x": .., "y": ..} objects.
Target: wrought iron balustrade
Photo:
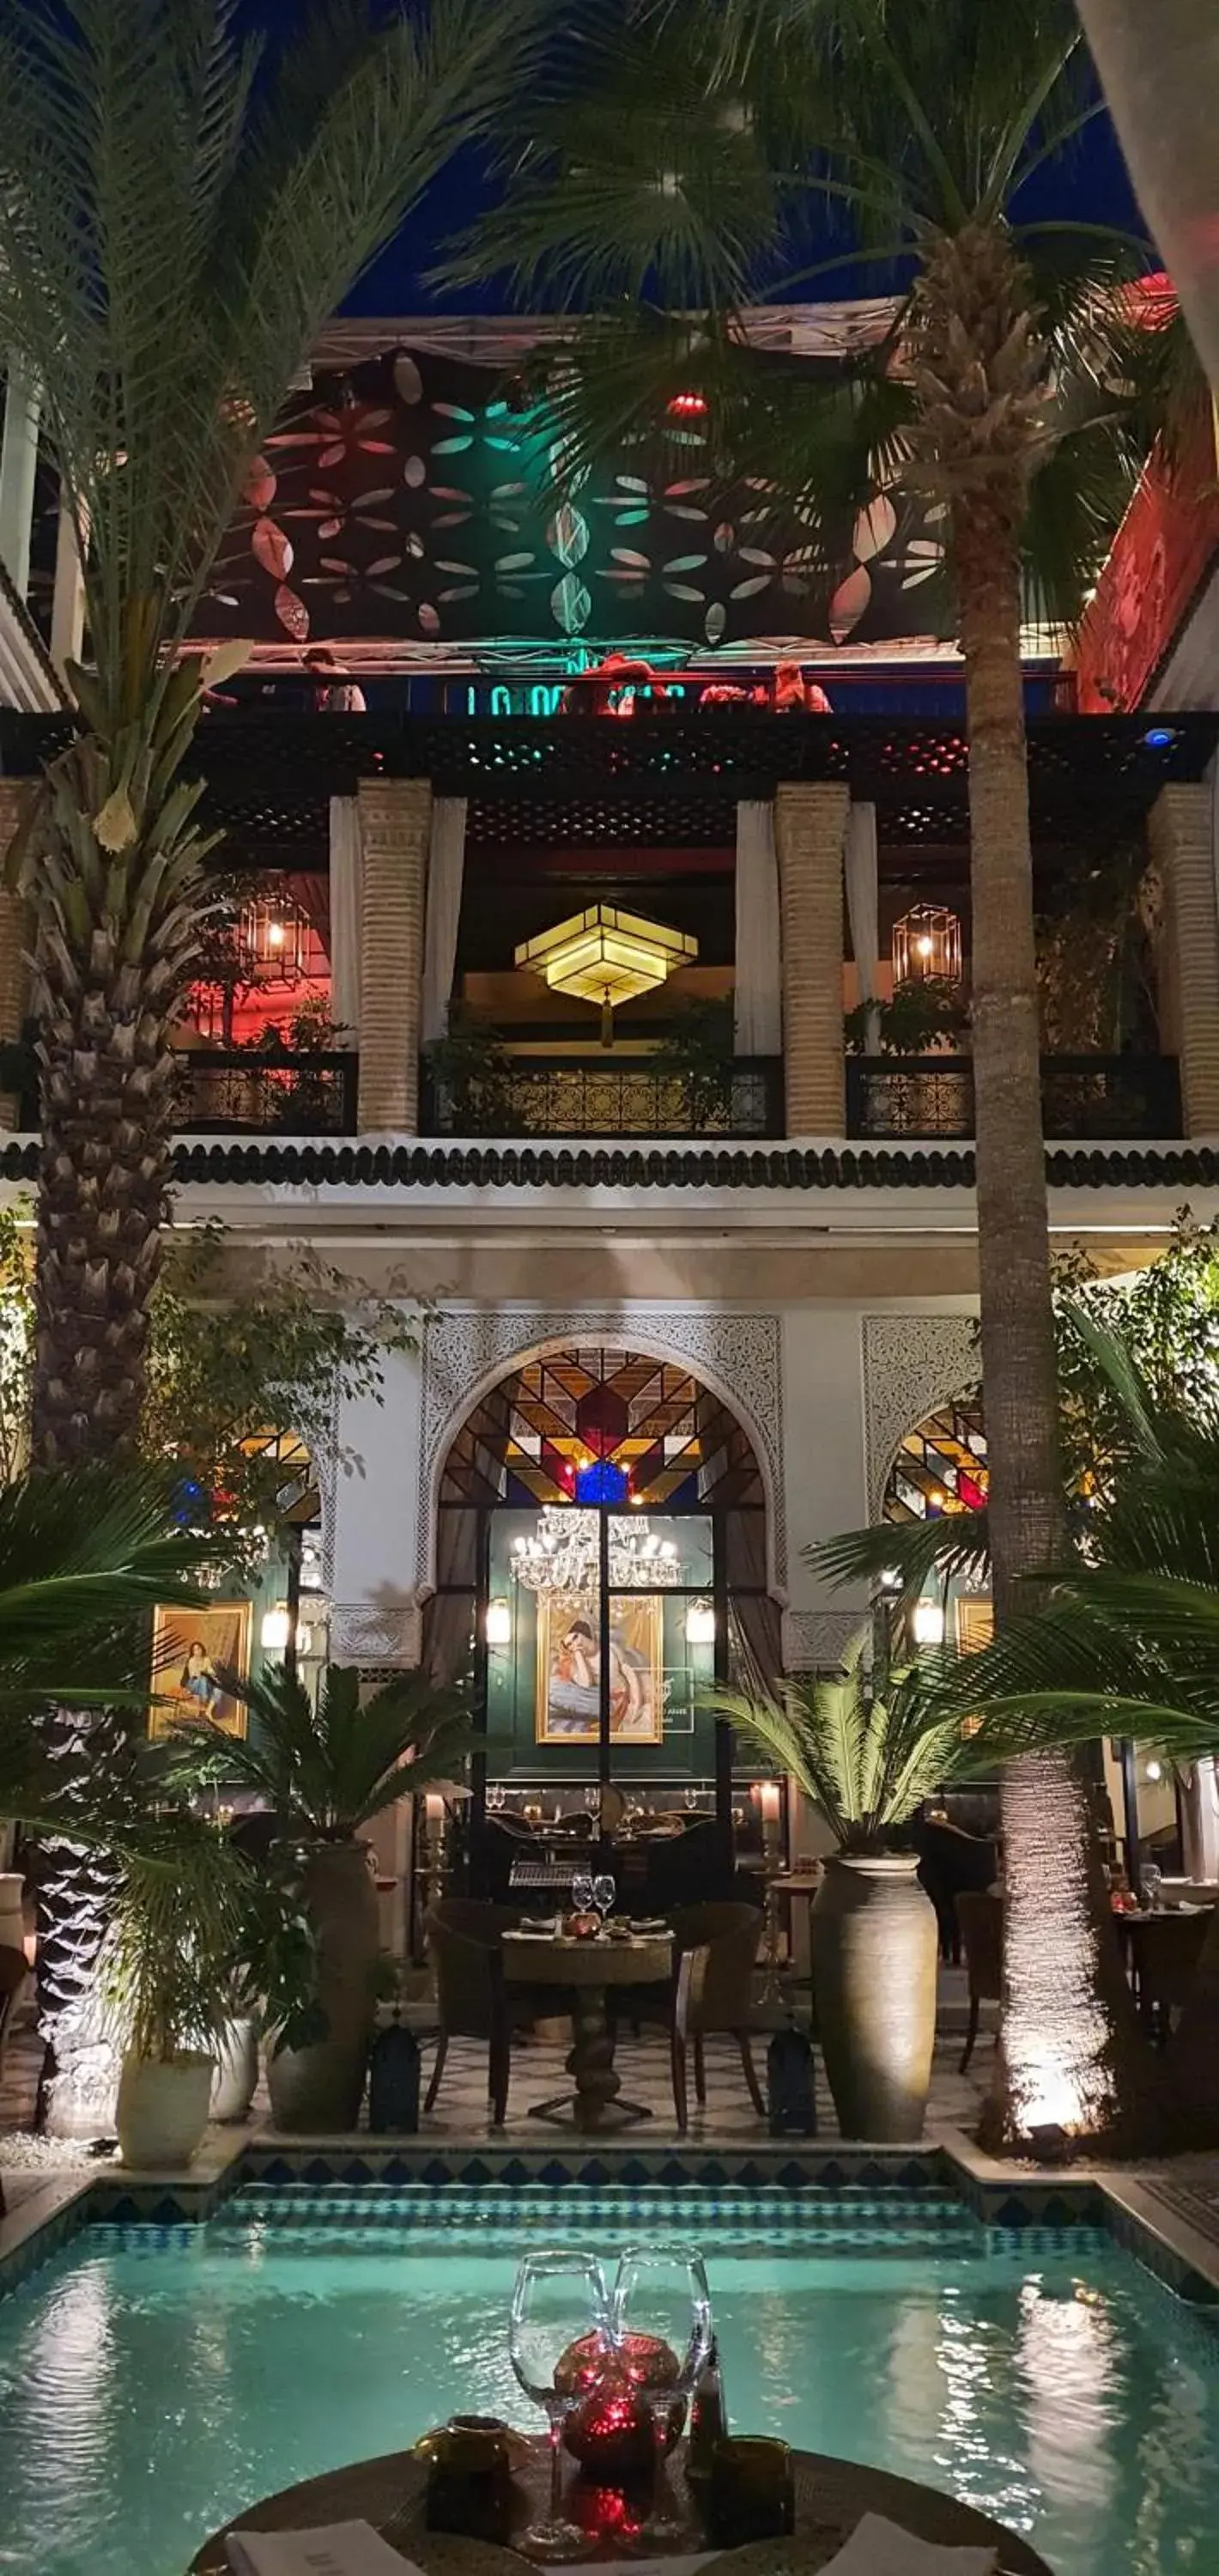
[
  {"x": 608, "y": 1096},
  {"x": 224, "y": 1091},
  {"x": 1082, "y": 1095}
]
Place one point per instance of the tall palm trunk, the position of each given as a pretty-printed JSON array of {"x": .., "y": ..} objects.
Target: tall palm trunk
[
  {"x": 1068, "y": 2059},
  {"x": 114, "y": 944},
  {"x": 1160, "y": 69}
]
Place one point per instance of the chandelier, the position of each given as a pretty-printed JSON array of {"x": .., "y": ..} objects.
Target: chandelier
[
  {"x": 564, "y": 1554},
  {"x": 606, "y": 956}
]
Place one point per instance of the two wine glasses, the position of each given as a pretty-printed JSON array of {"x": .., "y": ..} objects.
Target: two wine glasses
[
  {"x": 561, "y": 2298},
  {"x": 589, "y": 1893}
]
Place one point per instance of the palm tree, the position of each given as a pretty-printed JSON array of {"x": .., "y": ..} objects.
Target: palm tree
[
  {"x": 329, "y": 1769},
  {"x": 1160, "y": 68},
  {"x": 180, "y": 211},
  {"x": 1127, "y": 1643},
  {"x": 651, "y": 188}
]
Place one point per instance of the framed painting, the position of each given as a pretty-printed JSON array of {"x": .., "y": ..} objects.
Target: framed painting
[
  {"x": 569, "y": 1669},
  {"x": 195, "y": 1656},
  {"x": 975, "y": 1623}
]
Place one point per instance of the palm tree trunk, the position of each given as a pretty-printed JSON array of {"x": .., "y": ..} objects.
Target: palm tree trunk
[
  {"x": 1068, "y": 2062},
  {"x": 106, "y": 982},
  {"x": 1160, "y": 69}
]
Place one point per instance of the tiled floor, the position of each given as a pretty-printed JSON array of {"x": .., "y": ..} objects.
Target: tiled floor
[{"x": 538, "y": 2072}]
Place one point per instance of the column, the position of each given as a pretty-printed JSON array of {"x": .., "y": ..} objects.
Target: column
[
  {"x": 1180, "y": 831},
  {"x": 395, "y": 823},
  {"x": 810, "y": 835},
  {"x": 18, "y": 471},
  {"x": 14, "y": 938}
]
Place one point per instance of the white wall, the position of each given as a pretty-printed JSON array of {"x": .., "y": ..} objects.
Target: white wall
[{"x": 376, "y": 1505}]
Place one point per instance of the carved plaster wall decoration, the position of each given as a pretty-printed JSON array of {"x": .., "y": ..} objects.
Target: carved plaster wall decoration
[
  {"x": 911, "y": 1364},
  {"x": 466, "y": 1350},
  {"x": 815, "y": 1641},
  {"x": 365, "y": 1632}
]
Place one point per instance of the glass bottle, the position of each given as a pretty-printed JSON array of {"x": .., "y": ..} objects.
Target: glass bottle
[{"x": 708, "y": 2418}]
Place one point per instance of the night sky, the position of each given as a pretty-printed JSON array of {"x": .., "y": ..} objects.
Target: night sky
[{"x": 1092, "y": 187}]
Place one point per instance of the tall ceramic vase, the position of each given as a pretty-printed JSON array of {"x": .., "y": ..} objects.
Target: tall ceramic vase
[
  {"x": 319, "y": 2089},
  {"x": 874, "y": 1956}
]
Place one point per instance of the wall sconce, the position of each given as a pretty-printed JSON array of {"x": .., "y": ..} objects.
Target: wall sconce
[
  {"x": 700, "y": 1623},
  {"x": 770, "y": 1802},
  {"x": 928, "y": 1623},
  {"x": 273, "y": 1632},
  {"x": 497, "y": 1625},
  {"x": 927, "y": 941}
]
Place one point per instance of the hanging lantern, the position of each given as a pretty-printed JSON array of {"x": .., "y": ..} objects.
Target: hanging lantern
[
  {"x": 927, "y": 942},
  {"x": 607, "y": 956},
  {"x": 273, "y": 936}
]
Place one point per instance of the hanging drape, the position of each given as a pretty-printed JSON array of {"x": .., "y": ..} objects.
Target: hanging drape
[
  {"x": 446, "y": 869},
  {"x": 346, "y": 910},
  {"x": 754, "y": 1625},
  {"x": 758, "y": 1010},
  {"x": 863, "y": 908}
]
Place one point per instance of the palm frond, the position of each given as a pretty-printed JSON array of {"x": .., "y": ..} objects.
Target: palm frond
[
  {"x": 84, "y": 1559},
  {"x": 950, "y": 1545},
  {"x": 329, "y": 1771}
]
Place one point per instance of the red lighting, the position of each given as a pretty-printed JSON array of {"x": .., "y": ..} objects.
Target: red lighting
[{"x": 688, "y": 407}]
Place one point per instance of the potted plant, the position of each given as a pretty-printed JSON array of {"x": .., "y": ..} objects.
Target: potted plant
[
  {"x": 868, "y": 1764},
  {"x": 165, "y": 1977},
  {"x": 326, "y": 1771}
]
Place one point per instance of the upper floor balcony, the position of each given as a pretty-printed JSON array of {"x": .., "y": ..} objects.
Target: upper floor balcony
[{"x": 391, "y": 887}]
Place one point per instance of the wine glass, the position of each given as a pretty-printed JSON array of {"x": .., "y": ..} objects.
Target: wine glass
[
  {"x": 605, "y": 1890},
  {"x": 558, "y": 2297},
  {"x": 661, "y": 2291},
  {"x": 582, "y": 1891}
]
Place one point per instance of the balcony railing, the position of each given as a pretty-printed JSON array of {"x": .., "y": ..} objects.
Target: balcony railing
[
  {"x": 593, "y": 1096},
  {"x": 224, "y": 1091},
  {"x": 932, "y": 1096}
]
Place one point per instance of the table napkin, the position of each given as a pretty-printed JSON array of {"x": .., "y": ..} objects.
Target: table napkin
[
  {"x": 334, "y": 2549},
  {"x": 878, "y": 2548}
]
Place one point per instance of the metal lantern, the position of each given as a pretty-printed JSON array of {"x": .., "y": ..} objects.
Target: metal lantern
[
  {"x": 927, "y": 942},
  {"x": 273, "y": 936}
]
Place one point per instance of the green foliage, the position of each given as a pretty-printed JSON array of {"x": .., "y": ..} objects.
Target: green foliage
[
  {"x": 700, "y": 1053},
  {"x": 231, "y": 1376},
  {"x": 272, "y": 1969},
  {"x": 181, "y": 210},
  {"x": 920, "y": 1014},
  {"x": 178, "y": 1921},
  {"x": 867, "y": 1763},
  {"x": 471, "y": 1073},
  {"x": 328, "y": 1770},
  {"x": 1167, "y": 1318}
]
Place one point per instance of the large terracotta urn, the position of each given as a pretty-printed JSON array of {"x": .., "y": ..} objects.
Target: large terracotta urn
[
  {"x": 320, "y": 2088},
  {"x": 874, "y": 1955}
]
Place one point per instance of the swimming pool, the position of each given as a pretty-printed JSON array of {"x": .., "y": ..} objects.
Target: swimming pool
[{"x": 154, "y": 2379}]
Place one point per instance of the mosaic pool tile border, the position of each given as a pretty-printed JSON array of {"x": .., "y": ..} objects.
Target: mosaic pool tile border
[{"x": 1047, "y": 2209}]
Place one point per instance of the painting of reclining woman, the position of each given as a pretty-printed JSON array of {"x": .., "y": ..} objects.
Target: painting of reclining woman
[{"x": 569, "y": 1670}]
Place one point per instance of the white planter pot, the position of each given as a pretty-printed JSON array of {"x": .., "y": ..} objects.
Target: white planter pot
[
  {"x": 12, "y": 1915},
  {"x": 236, "y": 2076},
  {"x": 162, "y": 2111}
]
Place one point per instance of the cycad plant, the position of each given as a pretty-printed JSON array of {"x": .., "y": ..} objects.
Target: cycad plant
[
  {"x": 694, "y": 152},
  {"x": 866, "y": 1761},
  {"x": 328, "y": 1770},
  {"x": 180, "y": 212}
]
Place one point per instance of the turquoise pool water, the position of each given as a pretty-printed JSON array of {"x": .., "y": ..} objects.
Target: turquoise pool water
[{"x": 152, "y": 2380}]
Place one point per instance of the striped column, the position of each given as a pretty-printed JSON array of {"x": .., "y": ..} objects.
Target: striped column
[
  {"x": 14, "y": 937},
  {"x": 810, "y": 835},
  {"x": 395, "y": 825},
  {"x": 1180, "y": 831}
]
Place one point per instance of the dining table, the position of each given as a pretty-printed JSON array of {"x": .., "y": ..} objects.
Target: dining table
[
  {"x": 589, "y": 1966},
  {"x": 831, "y": 2498}
]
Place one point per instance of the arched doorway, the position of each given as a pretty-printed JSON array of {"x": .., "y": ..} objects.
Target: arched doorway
[
  {"x": 601, "y": 1563},
  {"x": 940, "y": 1471}
]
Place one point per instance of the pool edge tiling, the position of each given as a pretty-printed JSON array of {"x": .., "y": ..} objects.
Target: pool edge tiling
[{"x": 1156, "y": 2233}]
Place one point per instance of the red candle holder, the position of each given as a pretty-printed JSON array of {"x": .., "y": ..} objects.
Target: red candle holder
[{"x": 610, "y": 2429}]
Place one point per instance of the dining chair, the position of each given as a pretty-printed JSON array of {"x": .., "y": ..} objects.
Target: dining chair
[
  {"x": 980, "y": 1918},
  {"x": 1164, "y": 1951},
  {"x": 710, "y": 1992},
  {"x": 465, "y": 1941}
]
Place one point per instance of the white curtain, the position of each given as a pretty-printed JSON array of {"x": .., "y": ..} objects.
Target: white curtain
[
  {"x": 446, "y": 870},
  {"x": 758, "y": 1014},
  {"x": 863, "y": 906},
  {"x": 346, "y": 913}
]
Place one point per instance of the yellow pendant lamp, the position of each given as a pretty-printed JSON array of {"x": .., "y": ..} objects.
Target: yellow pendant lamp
[{"x": 607, "y": 956}]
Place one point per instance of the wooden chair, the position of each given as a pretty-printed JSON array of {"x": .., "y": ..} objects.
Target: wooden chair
[
  {"x": 1164, "y": 1950},
  {"x": 465, "y": 1943},
  {"x": 715, "y": 1949},
  {"x": 981, "y": 1921}
]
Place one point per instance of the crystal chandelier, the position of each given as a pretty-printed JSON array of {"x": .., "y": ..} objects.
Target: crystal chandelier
[{"x": 563, "y": 1555}]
